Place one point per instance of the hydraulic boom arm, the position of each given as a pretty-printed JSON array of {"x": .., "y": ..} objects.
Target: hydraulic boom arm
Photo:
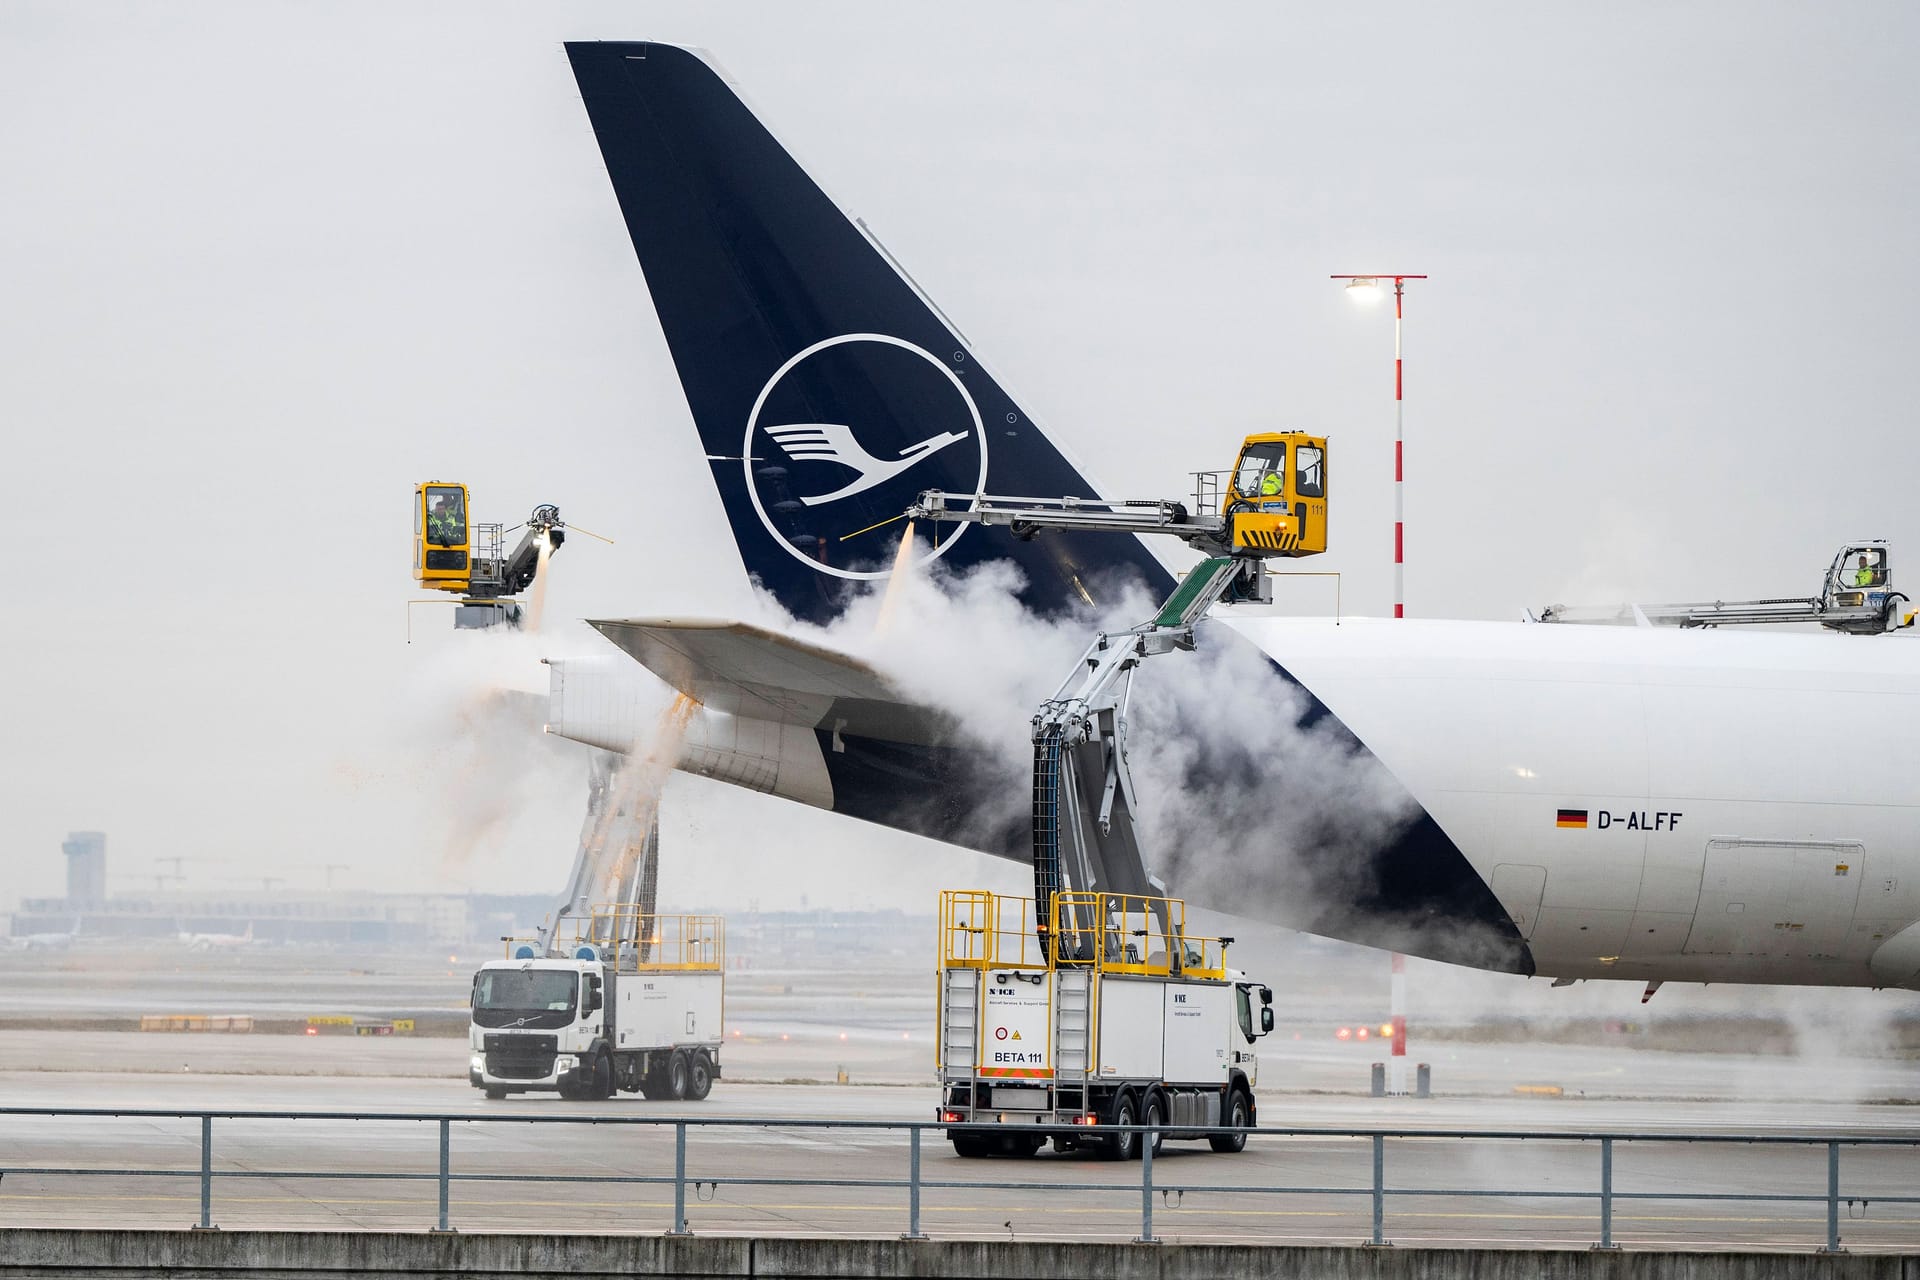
[
  {"x": 1857, "y": 596},
  {"x": 1272, "y": 503},
  {"x": 1083, "y": 796}
]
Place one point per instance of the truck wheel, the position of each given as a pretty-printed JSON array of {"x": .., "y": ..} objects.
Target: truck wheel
[
  {"x": 700, "y": 1076},
  {"x": 1236, "y": 1118},
  {"x": 971, "y": 1146},
  {"x": 602, "y": 1086},
  {"x": 495, "y": 1093},
  {"x": 1154, "y": 1112},
  {"x": 1123, "y": 1146},
  {"x": 677, "y": 1073}
]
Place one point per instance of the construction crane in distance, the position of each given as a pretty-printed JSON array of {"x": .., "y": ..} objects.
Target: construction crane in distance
[{"x": 328, "y": 867}]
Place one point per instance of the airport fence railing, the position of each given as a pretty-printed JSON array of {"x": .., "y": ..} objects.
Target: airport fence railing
[{"x": 913, "y": 1184}]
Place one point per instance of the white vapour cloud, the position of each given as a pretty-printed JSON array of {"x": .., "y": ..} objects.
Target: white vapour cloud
[
  {"x": 1244, "y": 804},
  {"x": 1241, "y": 805},
  {"x": 465, "y": 745}
]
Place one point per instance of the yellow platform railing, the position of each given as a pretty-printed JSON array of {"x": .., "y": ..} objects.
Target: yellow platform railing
[
  {"x": 1109, "y": 932},
  {"x": 629, "y": 938},
  {"x": 983, "y": 930}
]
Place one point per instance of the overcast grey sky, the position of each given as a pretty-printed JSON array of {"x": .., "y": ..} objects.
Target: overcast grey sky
[{"x": 264, "y": 266}]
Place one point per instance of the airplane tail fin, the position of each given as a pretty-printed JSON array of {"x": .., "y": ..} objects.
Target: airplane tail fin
[{"x": 828, "y": 390}]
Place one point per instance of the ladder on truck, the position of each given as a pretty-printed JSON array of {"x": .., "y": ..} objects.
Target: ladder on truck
[
  {"x": 1083, "y": 827},
  {"x": 1073, "y": 1036},
  {"x": 960, "y": 1021}
]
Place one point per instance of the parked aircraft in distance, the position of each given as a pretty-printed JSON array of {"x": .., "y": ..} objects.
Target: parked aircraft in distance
[
  {"x": 1577, "y": 802},
  {"x": 46, "y": 941},
  {"x": 217, "y": 941}
]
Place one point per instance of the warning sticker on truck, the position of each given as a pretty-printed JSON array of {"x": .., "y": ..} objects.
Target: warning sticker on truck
[{"x": 1013, "y": 1028}]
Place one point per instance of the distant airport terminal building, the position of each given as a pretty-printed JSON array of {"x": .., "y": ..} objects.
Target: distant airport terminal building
[
  {"x": 345, "y": 916},
  {"x": 353, "y": 917}
]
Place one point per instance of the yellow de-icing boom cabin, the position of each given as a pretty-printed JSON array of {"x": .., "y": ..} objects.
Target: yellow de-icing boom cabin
[
  {"x": 442, "y": 537},
  {"x": 1276, "y": 495},
  {"x": 453, "y": 553}
]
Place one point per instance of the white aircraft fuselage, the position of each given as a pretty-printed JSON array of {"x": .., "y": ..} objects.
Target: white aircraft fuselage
[{"x": 1738, "y": 806}]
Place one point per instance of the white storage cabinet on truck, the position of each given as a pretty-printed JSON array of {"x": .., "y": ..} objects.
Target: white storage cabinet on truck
[
  {"x": 1065, "y": 1032},
  {"x": 641, "y": 1013}
]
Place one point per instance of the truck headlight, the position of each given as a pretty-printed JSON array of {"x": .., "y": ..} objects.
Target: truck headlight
[
  {"x": 478, "y": 1062},
  {"x": 565, "y": 1062}
]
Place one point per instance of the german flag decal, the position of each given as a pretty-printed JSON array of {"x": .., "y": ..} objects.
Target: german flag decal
[{"x": 1571, "y": 818}]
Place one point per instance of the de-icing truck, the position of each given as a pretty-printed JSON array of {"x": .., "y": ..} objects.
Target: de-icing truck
[
  {"x": 633, "y": 1003},
  {"x": 1113, "y": 1016}
]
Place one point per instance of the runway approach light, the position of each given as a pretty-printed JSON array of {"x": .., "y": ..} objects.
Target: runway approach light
[{"x": 1364, "y": 290}]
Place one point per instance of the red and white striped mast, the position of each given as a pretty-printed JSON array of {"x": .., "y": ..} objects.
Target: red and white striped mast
[
  {"x": 1397, "y": 1005},
  {"x": 1366, "y": 289}
]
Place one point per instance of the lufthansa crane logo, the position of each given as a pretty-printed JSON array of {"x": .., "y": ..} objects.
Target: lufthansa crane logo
[
  {"x": 834, "y": 442},
  {"x": 845, "y": 435}
]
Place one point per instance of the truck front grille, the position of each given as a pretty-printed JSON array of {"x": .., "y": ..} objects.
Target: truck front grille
[{"x": 511, "y": 1057}]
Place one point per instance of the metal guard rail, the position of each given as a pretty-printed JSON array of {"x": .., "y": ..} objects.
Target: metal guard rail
[{"x": 914, "y": 1184}]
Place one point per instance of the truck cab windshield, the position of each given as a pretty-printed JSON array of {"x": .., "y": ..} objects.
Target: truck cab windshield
[{"x": 525, "y": 997}]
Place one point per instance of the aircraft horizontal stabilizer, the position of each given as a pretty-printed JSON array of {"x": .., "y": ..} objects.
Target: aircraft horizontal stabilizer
[
  {"x": 789, "y": 718},
  {"x": 747, "y": 671}
]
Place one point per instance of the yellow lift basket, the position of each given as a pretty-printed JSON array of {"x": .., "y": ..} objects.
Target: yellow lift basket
[
  {"x": 628, "y": 938},
  {"x": 984, "y": 930}
]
